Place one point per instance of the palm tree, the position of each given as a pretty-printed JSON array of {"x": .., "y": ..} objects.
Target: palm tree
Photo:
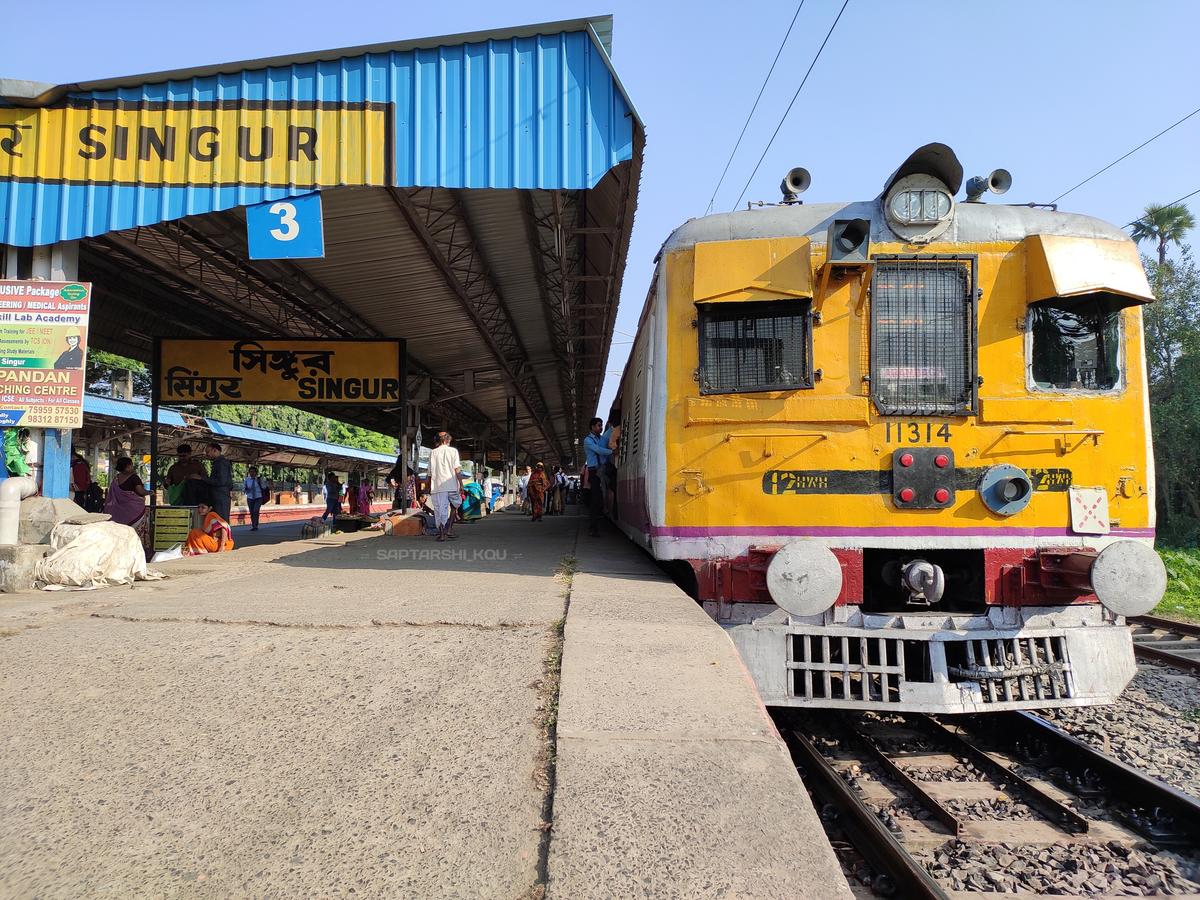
[{"x": 1164, "y": 224}]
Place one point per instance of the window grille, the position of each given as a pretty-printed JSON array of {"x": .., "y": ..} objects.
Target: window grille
[
  {"x": 923, "y": 335},
  {"x": 755, "y": 346}
]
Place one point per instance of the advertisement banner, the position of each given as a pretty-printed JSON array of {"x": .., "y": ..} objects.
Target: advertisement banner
[
  {"x": 43, "y": 348},
  {"x": 294, "y": 372}
]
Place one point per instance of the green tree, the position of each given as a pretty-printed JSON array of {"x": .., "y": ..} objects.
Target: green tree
[
  {"x": 1172, "y": 337},
  {"x": 105, "y": 369},
  {"x": 1164, "y": 225}
]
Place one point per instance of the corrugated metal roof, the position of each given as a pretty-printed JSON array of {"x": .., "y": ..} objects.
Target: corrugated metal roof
[
  {"x": 129, "y": 409},
  {"x": 277, "y": 439},
  {"x": 528, "y": 108}
]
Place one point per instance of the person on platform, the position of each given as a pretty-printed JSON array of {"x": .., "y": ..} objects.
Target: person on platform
[
  {"x": 536, "y": 489},
  {"x": 81, "y": 477},
  {"x": 473, "y": 506},
  {"x": 182, "y": 488},
  {"x": 444, "y": 484},
  {"x": 558, "y": 491},
  {"x": 219, "y": 481},
  {"x": 396, "y": 481},
  {"x": 126, "y": 501},
  {"x": 332, "y": 491},
  {"x": 523, "y": 488},
  {"x": 596, "y": 455},
  {"x": 213, "y": 536},
  {"x": 488, "y": 500},
  {"x": 72, "y": 357},
  {"x": 257, "y": 494}
]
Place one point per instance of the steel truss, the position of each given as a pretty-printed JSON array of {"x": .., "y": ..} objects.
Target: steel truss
[
  {"x": 437, "y": 218},
  {"x": 206, "y": 269}
]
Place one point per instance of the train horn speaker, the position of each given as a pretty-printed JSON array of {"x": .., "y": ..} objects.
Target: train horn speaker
[
  {"x": 794, "y": 183},
  {"x": 998, "y": 183}
]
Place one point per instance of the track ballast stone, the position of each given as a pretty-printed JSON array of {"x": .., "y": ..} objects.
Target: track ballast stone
[{"x": 1154, "y": 726}]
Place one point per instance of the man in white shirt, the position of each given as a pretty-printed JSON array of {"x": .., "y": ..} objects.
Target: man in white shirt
[{"x": 444, "y": 486}]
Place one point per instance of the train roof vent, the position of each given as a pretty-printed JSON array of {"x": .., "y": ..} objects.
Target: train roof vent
[{"x": 936, "y": 160}]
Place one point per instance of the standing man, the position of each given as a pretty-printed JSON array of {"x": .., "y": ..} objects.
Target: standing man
[
  {"x": 219, "y": 480},
  {"x": 444, "y": 485},
  {"x": 81, "y": 477},
  {"x": 182, "y": 488},
  {"x": 596, "y": 454},
  {"x": 256, "y": 493}
]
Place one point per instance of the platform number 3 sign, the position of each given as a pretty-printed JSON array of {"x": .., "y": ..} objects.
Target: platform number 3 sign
[{"x": 286, "y": 229}]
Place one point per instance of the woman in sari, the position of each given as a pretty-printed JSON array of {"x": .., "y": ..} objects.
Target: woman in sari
[
  {"x": 536, "y": 491},
  {"x": 126, "y": 500},
  {"x": 472, "y": 507},
  {"x": 213, "y": 536}
]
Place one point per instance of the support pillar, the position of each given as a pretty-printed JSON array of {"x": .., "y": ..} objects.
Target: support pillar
[{"x": 56, "y": 262}]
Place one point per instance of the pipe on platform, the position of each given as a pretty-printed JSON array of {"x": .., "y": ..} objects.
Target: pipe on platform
[{"x": 12, "y": 492}]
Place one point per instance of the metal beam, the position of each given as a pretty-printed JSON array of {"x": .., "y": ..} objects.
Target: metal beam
[
  {"x": 545, "y": 226},
  {"x": 221, "y": 289},
  {"x": 437, "y": 219}
]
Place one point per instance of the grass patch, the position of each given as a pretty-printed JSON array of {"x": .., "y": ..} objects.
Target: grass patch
[{"x": 1182, "y": 599}]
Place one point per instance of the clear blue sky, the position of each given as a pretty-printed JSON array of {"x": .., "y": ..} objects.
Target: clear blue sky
[{"x": 1050, "y": 89}]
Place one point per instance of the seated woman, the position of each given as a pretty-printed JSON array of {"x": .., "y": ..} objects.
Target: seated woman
[
  {"x": 126, "y": 501},
  {"x": 213, "y": 536},
  {"x": 472, "y": 507}
]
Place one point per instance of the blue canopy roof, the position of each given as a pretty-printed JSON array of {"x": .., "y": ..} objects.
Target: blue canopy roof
[
  {"x": 532, "y": 107},
  {"x": 129, "y": 409},
  {"x": 291, "y": 441}
]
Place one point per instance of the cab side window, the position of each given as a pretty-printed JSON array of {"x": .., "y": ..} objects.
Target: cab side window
[
  {"x": 752, "y": 346},
  {"x": 1075, "y": 345}
]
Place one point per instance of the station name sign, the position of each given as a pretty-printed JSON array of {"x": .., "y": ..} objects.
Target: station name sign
[
  {"x": 326, "y": 372},
  {"x": 285, "y": 144}
]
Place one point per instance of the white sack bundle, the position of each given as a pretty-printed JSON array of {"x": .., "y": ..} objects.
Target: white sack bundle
[{"x": 92, "y": 556}]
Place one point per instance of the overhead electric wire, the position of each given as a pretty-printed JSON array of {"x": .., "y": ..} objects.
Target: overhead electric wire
[
  {"x": 1172, "y": 203},
  {"x": 783, "y": 118},
  {"x": 1127, "y": 155},
  {"x": 746, "y": 124}
]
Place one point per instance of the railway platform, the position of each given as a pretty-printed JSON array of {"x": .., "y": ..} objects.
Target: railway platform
[{"x": 522, "y": 712}]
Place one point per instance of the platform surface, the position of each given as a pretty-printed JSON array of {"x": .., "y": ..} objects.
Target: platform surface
[{"x": 364, "y": 715}]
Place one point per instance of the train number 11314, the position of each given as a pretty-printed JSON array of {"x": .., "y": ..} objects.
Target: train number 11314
[{"x": 917, "y": 432}]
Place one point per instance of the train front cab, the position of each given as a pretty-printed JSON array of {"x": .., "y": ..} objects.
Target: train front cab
[{"x": 918, "y": 481}]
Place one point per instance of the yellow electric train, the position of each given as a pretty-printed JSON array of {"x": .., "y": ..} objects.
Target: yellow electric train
[{"x": 901, "y": 446}]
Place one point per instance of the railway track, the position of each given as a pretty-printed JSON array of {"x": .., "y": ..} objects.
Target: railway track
[
  {"x": 1167, "y": 642},
  {"x": 1005, "y": 802}
]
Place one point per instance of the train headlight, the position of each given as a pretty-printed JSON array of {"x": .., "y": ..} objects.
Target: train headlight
[
  {"x": 804, "y": 578},
  {"x": 1005, "y": 489},
  {"x": 920, "y": 207},
  {"x": 1129, "y": 578}
]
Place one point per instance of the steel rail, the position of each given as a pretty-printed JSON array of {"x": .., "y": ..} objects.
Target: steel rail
[
  {"x": 910, "y": 784},
  {"x": 1062, "y": 815},
  {"x": 878, "y": 845},
  {"x": 1155, "y": 650},
  {"x": 1166, "y": 657},
  {"x": 1125, "y": 783},
  {"x": 1191, "y": 629}
]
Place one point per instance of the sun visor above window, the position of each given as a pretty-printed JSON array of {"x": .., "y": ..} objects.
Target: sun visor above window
[
  {"x": 1067, "y": 267},
  {"x": 752, "y": 270}
]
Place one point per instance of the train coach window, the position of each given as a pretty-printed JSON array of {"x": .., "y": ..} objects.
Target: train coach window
[
  {"x": 1075, "y": 345},
  {"x": 755, "y": 346},
  {"x": 923, "y": 335}
]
